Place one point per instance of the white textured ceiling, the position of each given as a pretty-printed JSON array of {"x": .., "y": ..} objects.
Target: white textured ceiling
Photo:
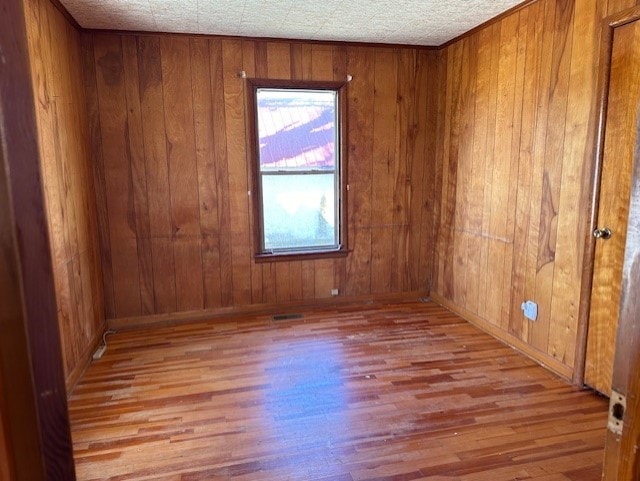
[{"x": 411, "y": 22}]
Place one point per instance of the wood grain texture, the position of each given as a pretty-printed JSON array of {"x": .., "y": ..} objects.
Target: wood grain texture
[
  {"x": 613, "y": 211},
  {"x": 33, "y": 403},
  {"x": 386, "y": 392},
  {"x": 19, "y": 430},
  {"x": 63, "y": 121},
  {"x": 517, "y": 134},
  {"x": 176, "y": 210},
  {"x": 622, "y": 462}
]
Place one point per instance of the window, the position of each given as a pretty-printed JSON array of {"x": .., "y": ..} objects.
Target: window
[{"x": 299, "y": 197}]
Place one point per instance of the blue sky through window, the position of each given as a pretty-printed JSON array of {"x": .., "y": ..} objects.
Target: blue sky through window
[{"x": 296, "y": 129}]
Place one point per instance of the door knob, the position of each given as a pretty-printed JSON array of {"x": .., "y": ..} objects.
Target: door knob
[{"x": 602, "y": 233}]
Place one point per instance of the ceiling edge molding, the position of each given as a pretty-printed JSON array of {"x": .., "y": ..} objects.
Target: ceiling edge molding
[
  {"x": 262, "y": 39},
  {"x": 488, "y": 23}
]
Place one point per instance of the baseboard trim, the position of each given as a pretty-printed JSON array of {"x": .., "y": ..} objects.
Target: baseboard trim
[
  {"x": 157, "y": 320},
  {"x": 84, "y": 361},
  {"x": 546, "y": 361}
]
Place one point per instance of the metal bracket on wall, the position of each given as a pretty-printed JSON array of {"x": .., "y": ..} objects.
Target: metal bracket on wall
[{"x": 617, "y": 406}]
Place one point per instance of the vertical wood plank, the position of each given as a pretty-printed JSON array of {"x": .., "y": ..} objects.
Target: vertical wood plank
[
  {"x": 519, "y": 76},
  {"x": 464, "y": 132},
  {"x": 323, "y": 277},
  {"x": 384, "y": 165},
  {"x": 46, "y": 92},
  {"x": 135, "y": 146},
  {"x": 539, "y": 145},
  {"x": 518, "y": 325},
  {"x": 93, "y": 113},
  {"x": 297, "y": 61},
  {"x": 554, "y": 146},
  {"x": 450, "y": 184},
  {"x": 322, "y": 62},
  {"x": 176, "y": 83},
  {"x": 206, "y": 166},
  {"x": 498, "y": 231},
  {"x": 269, "y": 273},
  {"x": 421, "y": 171},
  {"x": 437, "y": 174},
  {"x": 308, "y": 280},
  {"x": 282, "y": 281},
  {"x": 119, "y": 188},
  {"x": 65, "y": 143},
  {"x": 486, "y": 268},
  {"x": 278, "y": 60},
  {"x": 158, "y": 193},
  {"x": 295, "y": 276},
  {"x": 481, "y": 51},
  {"x": 401, "y": 182},
  {"x": 221, "y": 166},
  {"x": 183, "y": 171},
  {"x": 361, "y": 62},
  {"x": 237, "y": 165},
  {"x": 581, "y": 110}
]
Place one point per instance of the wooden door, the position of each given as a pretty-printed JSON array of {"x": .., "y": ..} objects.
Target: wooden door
[
  {"x": 613, "y": 207},
  {"x": 622, "y": 457}
]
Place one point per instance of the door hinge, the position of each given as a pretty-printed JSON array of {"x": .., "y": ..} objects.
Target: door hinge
[{"x": 617, "y": 406}]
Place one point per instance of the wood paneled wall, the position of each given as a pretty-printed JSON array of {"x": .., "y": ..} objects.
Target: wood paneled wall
[
  {"x": 168, "y": 119},
  {"x": 56, "y": 68},
  {"x": 482, "y": 150},
  {"x": 515, "y": 149}
]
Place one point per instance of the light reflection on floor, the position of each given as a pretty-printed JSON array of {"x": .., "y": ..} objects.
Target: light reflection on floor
[{"x": 306, "y": 403}]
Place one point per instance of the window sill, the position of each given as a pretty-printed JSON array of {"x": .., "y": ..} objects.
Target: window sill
[{"x": 300, "y": 256}]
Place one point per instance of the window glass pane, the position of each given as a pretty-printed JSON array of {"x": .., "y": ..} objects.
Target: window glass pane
[
  {"x": 296, "y": 129},
  {"x": 299, "y": 211}
]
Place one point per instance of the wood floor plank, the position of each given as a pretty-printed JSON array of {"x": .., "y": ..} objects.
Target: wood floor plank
[{"x": 404, "y": 391}]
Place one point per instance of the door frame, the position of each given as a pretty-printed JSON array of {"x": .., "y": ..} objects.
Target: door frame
[
  {"x": 621, "y": 462},
  {"x": 593, "y": 180},
  {"x": 33, "y": 402}
]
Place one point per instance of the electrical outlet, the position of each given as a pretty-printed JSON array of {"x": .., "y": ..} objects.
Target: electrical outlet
[
  {"x": 530, "y": 310},
  {"x": 99, "y": 352},
  {"x": 334, "y": 292}
]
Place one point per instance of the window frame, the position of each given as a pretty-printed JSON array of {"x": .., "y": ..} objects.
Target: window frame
[{"x": 260, "y": 253}]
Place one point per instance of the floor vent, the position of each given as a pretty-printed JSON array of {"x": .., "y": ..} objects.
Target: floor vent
[{"x": 286, "y": 317}]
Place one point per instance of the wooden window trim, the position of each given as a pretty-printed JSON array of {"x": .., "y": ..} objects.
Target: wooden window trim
[{"x": 343, "y": 250}]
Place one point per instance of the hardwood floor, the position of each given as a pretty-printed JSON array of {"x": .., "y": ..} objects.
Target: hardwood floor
[{"x": 398, "y": 392}]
